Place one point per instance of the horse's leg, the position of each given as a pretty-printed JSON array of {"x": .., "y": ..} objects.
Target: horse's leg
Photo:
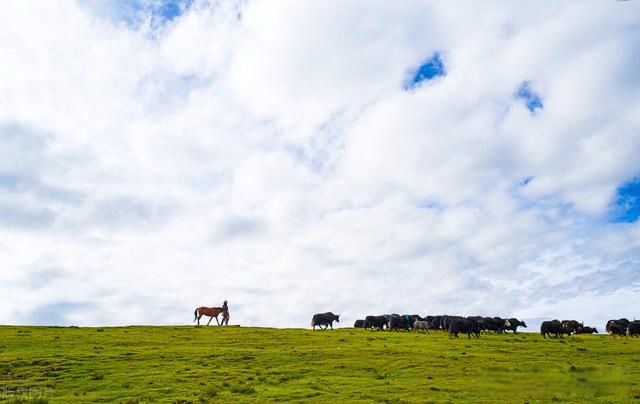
[
  {"x": 217, "y": 320},
  {"x": 199, "y": 317},
  {"x": 210, "y": 318}
]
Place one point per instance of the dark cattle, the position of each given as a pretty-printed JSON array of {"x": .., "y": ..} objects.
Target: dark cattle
[
  {"x": 614, "y": 326},
  {"x": 496, "y": 324},
  {"x": 571, "y": 325},
  {"x": 551, "y": 327},
  {"x": 465, "y": 326},
  {"x": 404, "y": 322},
  {"x": 586, "y": 330},
  {"x": 616, "y": 329},
  {"x": 429, "y": 319},
  {"x": 514, "y": 323},
  {"x": 446, "y": 321},
  {"x": 378, "y": 322},
  {"x": 567, "y": 330},
  {"x": 633, "y": 329},
  {"x": 325, "y": 319},
  {"x": 435, "y": 322},
  {"x": 358, "y": 324}
]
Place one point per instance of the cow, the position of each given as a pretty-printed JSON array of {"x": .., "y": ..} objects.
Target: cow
[
  {"x": 358, "y": 324},
  {"x": 571, "y": 325},
  {"x": 465, "y": 326},
  {"x": 617, "y": 327},
  {"x": 446, "y": 321},
  {"x": 633, "y": 329},
  {"x": 551, "y": 327},
  {"x": 586, "y": 330},
  {"x": 496, "y": 324},
  {"x": 326, "y": 319},
  {"x": 436, "y": 322},
  {"x": 514, "y": 323},
  {"x": 378, "y": 322},
  {"x": 421, "y": 325},
  {"x": 404, "y": 322}
]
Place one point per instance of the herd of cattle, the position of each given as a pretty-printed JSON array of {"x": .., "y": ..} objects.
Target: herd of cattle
[{"x": 474, "y": 325}]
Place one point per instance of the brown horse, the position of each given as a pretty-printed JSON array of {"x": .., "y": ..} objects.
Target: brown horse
[{"x": 213, "y": 312}]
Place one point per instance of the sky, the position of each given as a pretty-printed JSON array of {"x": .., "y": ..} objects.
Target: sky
[{"x": 360, "y": 157}]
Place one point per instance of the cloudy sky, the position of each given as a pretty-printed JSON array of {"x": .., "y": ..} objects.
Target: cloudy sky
[{"x": 360, "y": 157}]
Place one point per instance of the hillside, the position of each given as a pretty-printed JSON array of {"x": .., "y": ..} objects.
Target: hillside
[{"x": 220, "y": 364}]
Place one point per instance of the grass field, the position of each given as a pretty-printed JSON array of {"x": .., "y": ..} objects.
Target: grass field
[{"x": 233, "y": 364}]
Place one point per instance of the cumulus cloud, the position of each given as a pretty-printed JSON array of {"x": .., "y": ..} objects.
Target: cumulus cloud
[{"x": 158, "y": 155}]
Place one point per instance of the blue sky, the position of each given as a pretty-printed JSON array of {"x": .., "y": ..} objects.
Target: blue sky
[{"x": 319, "y": 156}]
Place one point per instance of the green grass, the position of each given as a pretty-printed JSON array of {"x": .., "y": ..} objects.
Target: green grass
[{"x": 233, "y": 364}]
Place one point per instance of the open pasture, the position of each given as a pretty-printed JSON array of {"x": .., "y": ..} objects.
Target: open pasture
[{"x": 232, "y": 364}]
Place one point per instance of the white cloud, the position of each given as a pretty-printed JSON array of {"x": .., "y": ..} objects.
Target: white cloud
[{"x": 266, "y": 153}]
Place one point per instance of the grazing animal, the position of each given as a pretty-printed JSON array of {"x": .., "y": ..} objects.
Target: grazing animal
[
  {"x": 617, "y": 327},
  {"x": 213, "y": 312},
  {"x": 496, "y": 324},
  {"x": 514, "y": 323},
  {"x": 571, "y": 325},
  {"x": 326, "y": 319},
  {"x": 551, "y": 327},
  {"x": 403, "y": 322},
  {"x": 633, "y": 329},
  {"x": 358, "y": 324},
  {"x": 421, "y": 325},
  {"x": 378, "y": 322},
  {"x": 436, "y": 322},
  {"x": 586, "y": 330},
  {"x": 465, "y": 326}
]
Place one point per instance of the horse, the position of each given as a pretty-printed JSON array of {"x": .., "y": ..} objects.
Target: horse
[{"x": 213, "y": 312}]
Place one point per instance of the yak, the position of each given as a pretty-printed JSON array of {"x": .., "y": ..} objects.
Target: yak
[
  {"x": 551, "y": 327},
  {"x": 378, "y": 322},
  {"x": 325, "y": 319},
  {"x": 465, "y": 326},
  {"x": 358, "y": 324},
  {"x": 514, "y": 323},
  {"x": 586, "y": 330},
  {"x": 633, "y": 329}
]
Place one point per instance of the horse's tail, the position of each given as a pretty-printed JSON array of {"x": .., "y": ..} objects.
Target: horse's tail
[{"x": 195, "y": 315}]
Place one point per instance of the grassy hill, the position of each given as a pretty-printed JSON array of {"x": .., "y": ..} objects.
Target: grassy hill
[{"x": 233, "y": 364}]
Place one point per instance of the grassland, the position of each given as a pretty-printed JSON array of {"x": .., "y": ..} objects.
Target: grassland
[{"x": 233, "y": 364}]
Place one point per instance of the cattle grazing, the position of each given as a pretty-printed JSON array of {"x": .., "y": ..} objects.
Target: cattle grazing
[
  {"x": 496, "y": 324},
  {"x": 586, "y": 330},
  {"x": 514, "y": 323},
  {"x": 633, "y": 329},
  {"x": 551, "y": 327},
  {"x": 571, "y": 326},
  {"x": 421, "y": 325},
  {"x": 358, "y": 324},
  {"x": 325, "y": 319},
  {"x": 436, "y": 322},
  {"x": 617, "y": 327},
  {"x": 378, "y": 322},
  {"x": 465, "y": 326},
  {"x": 404, "y": 322}
]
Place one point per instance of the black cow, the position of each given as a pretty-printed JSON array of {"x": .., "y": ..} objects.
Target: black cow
[
  {"x": 633, "y": 329},
  {"x": 551, "y": 327},
  {"x": 378, "y": 322},
  {"x": 571, "y": 325},
  {"x": 617, "y": 327},
  {"x": 586, "y": 330},
  {"x": 325, "y": 319},
  {"x": 514, "y": 323},
  {"x": 404, "y": 322},
  {"x": 465, "y": 326},
  {"x": 496, "y": 324},
  {"x": 436, "y": 322},
  {"x": 358, "y": 324},
  {"x": 446, "y": 321}
]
